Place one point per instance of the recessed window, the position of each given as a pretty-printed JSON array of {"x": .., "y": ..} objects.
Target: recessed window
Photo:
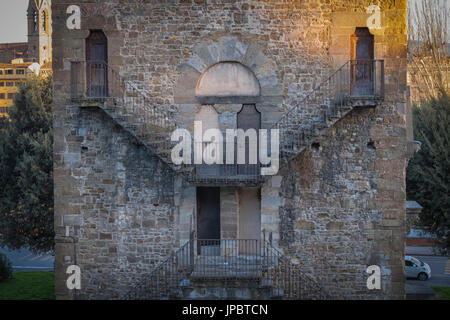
[
  {"x": 45, "y": 25},
  {"x": 1, "y": 71},
  {"x": 2, "y": 96},
  {"x": 35, "y": 20},
  {"x": 10, "y": 84},
  {"x": 4, "y": 110},
  {"x": 2, "y": 84},
  {"x": 11, "y": 95},
  {"x": 20, "y": 71},
  {"x": 10, "y": 71}
]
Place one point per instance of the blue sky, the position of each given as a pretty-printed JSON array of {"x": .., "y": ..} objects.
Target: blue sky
[{"x": 13, "y": 20}]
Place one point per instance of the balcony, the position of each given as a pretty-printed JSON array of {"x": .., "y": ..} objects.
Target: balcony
[
  {"x": 366, "y": 85},
  {"x": 94, "y": 81}
]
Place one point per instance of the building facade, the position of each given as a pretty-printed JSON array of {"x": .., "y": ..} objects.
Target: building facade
[
  {"x": 18, "y": 61},
  {"x": 11, "y": 76},
  {"x": 141, "y": 226}
]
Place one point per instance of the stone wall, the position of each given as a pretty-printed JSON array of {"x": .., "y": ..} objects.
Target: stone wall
[
  {"x": 119, "y": 206},
  {"x": 339, "y": 207}
]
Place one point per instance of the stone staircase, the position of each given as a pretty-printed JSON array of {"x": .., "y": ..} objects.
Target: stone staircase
[
  {"x": 299, "y": 127},
  {"x": 329, "y": 102},
  {"x": 264, "y": 274}
]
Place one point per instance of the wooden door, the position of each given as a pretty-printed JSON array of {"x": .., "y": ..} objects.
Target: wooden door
[
  {"x": 208, "y": 220},
  {"x": 362, "y": 65},
  {"x": 96, "y": 65}
]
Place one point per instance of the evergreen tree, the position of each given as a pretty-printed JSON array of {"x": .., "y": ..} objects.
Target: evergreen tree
[
  {"x": 428, "y": 171},
  {"x": 26, "y": 170}
]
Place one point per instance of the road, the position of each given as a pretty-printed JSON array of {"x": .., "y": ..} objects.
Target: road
[
  {"x": 26, "y": 260},
  {"x": 440, "y": 277}
]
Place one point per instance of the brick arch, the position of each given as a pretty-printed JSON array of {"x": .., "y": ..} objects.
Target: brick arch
[{"x": 227, "y": 49}]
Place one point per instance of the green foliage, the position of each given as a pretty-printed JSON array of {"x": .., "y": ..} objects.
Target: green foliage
[
  {"x": 26, "y": 165},
  {"x": 29, "y": 286},
  {"x": 5, "y": 268},
  {"x": 442, "y": 293},
  {"x": 428, "y": 171}
]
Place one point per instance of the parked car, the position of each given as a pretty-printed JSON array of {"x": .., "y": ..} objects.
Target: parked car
[{"x": 417, "y": 269}]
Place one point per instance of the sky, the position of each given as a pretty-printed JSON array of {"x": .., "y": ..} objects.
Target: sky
[{"x": 13, "y": 20}]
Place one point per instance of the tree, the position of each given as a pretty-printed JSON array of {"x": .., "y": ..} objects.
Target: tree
[
  {"x": 427, "y": 177},
  {"x": 26, "y": 167},
  {"x": 428, "y": 37}
]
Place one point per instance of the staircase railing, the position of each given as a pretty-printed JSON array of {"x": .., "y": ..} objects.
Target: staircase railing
[
  {"x": 227, "y": 261},
  {"x": 329, "y": 101},
  {"x": 287, "y": 279},
  {"x": 166, "y": 280},
  {"x": 96, "y": 83}
]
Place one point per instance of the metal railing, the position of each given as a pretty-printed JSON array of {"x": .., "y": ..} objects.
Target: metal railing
[
  {"x": 168, "y": 278},
  {"x": 223, "y": 174},
  {"x": 96, "y": 81},
  {"x": 366, "y": 79},
  {"x": 357, "y": 81},
  {"x": 228, "y": 261}
]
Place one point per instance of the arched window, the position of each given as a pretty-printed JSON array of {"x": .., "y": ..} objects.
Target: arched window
[
  {"x": 231, "y": 82},
  {"x": 35, "y": 20},
  {"x": 96, "y": 64},
  {"x": 362, "y": 64},
  {"x": 44, "y": 21}
]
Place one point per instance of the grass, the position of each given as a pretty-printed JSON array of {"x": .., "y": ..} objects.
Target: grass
[
  {"x": 442, "y": 293},
  {"x": 29, "y": 286}
]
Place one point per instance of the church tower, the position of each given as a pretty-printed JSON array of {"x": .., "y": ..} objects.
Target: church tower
[{"x": 40, "y": 31}]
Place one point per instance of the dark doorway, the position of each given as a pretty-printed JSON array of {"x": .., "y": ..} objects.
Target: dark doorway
[
  {"x": 362, "y": 64},
  {"x": 249, "y": 118},
  {"x": 96, "y": 65},
  {"x": 208, "y": 220}
]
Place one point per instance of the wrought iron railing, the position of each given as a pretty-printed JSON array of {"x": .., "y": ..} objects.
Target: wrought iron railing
[
  {"x": 356, "y": 82},
  {"x": 366, "y": 79},
  {"x": 93, "y": 81},
  {"x": 228, "y": 261},
  {"x": 167, "y": 279}
]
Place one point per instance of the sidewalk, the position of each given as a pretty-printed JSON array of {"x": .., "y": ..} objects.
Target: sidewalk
[
  {"x": 418, "y": 291},
  {"x": 420, "y": 251}
]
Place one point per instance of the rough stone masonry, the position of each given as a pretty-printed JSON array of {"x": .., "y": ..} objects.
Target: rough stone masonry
[{"x": 337, "y": 208}]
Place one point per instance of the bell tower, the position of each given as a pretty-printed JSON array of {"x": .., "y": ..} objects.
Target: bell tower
[{"x": 39, "y": 16}]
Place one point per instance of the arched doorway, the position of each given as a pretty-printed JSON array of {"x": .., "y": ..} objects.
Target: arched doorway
[
  {"x": 96, "y": 65},
  {"x": 362, "y": 64},
  {"x": 249, "y": 118},
  {"x": 228, "y": 84}
]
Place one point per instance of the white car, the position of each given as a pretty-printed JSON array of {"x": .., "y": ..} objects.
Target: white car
[{"x": 417, "y": 269}]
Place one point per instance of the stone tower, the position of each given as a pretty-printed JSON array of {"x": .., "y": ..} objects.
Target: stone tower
[
  {"x": 39, "y": 15},
  {"x": 140, "y": 225}
]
